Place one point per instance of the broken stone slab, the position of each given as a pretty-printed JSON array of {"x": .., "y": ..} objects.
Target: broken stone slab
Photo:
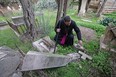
[
  {"x": 79, "y": 47},
  {"x": 84, "y": 56},
  {"x": 38, "y": 60},
  {"x": 74, "y": 56},
  {"x": 44, "y": 45},
  {"x": 9, "y": 61}
]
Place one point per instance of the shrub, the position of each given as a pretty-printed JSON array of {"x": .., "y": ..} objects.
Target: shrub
[
  {"x": 107, "y": 20},
  {"x": 46, "y": 4}
]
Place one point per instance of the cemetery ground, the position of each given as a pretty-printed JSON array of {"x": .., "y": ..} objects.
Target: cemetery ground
[{"x": 100, "y": 64}]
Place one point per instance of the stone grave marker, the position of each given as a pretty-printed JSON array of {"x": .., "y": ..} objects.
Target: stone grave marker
[
  {"x": 44, "y": 45},
  {"x": 38, "y": 60}
]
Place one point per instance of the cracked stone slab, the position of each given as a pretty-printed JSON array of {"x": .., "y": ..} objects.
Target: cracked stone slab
[
  {"x": 38, "y": 60},
  {"x": 9, "y": 61}
]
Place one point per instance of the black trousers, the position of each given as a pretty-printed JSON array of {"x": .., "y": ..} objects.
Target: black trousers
[{"x": 69, "y": 39}]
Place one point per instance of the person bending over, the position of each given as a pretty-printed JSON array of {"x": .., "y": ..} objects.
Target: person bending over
[{"x": 64, "y": 32}]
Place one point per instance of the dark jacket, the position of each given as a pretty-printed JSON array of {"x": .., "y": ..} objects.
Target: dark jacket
[{"x": 68, "y": 29}]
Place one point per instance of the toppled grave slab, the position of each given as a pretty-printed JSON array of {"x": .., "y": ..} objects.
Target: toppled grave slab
[
  {"x": 44, "y": 45},
  {"x": 38, "y": 60},
  {"x": 9, "y": 61}
]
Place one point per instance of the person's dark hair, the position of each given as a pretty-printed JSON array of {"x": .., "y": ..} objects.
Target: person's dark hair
[{"x": 67, "y": 18}]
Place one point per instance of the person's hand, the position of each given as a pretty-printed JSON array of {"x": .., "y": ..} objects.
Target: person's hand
[
  {"x": 80, "y": 42},
  {"x": 58, "y": 30}
]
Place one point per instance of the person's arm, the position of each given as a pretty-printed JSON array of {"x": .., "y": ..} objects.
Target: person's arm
[
  {"x": 78, "y": 32},
  {"x": 57, "y": 27}
]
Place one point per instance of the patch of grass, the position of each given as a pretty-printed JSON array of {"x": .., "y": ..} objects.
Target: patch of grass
[
  {"x": 2, "y": 18},
  {"x": 69, "y": 70},
  {"x": 8, "y": 38},
  {"x": 111, "y": 15},
  {"x": 93, "y": 25}
]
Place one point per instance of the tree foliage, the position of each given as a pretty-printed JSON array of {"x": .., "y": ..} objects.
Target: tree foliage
[
  {"x": 4, "y": 2},
  {"x": 47, "y": 4}
]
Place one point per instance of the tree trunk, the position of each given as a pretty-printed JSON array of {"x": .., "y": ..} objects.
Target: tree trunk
[
  {"x": 83, "y": 8},
  {"x": 99, "y": 12},
  {"x": 65, "y": 7},
  {"x": 80, "y": 2},
  {"x": 87, "y": 6},
  {"x": 60, "y": 4},
  {"x": 29, "y": 18}
]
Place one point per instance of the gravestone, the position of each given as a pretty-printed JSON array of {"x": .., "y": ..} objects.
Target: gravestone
[
  {"x": 45, "y": 44},
  {"x": 9, "y": 61},
  {"x": 87, "y": 34},
  {"x": 38, "y": 60},
  {"x": 108, "y": 40}
]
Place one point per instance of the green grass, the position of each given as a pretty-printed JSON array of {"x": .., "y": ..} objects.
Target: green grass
[
  {"x": 94, "y": 24},
  {"x": 8, "y": 38},
  {"x": 111, "y": 15},
  {"x": 2, "y": 18}
]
